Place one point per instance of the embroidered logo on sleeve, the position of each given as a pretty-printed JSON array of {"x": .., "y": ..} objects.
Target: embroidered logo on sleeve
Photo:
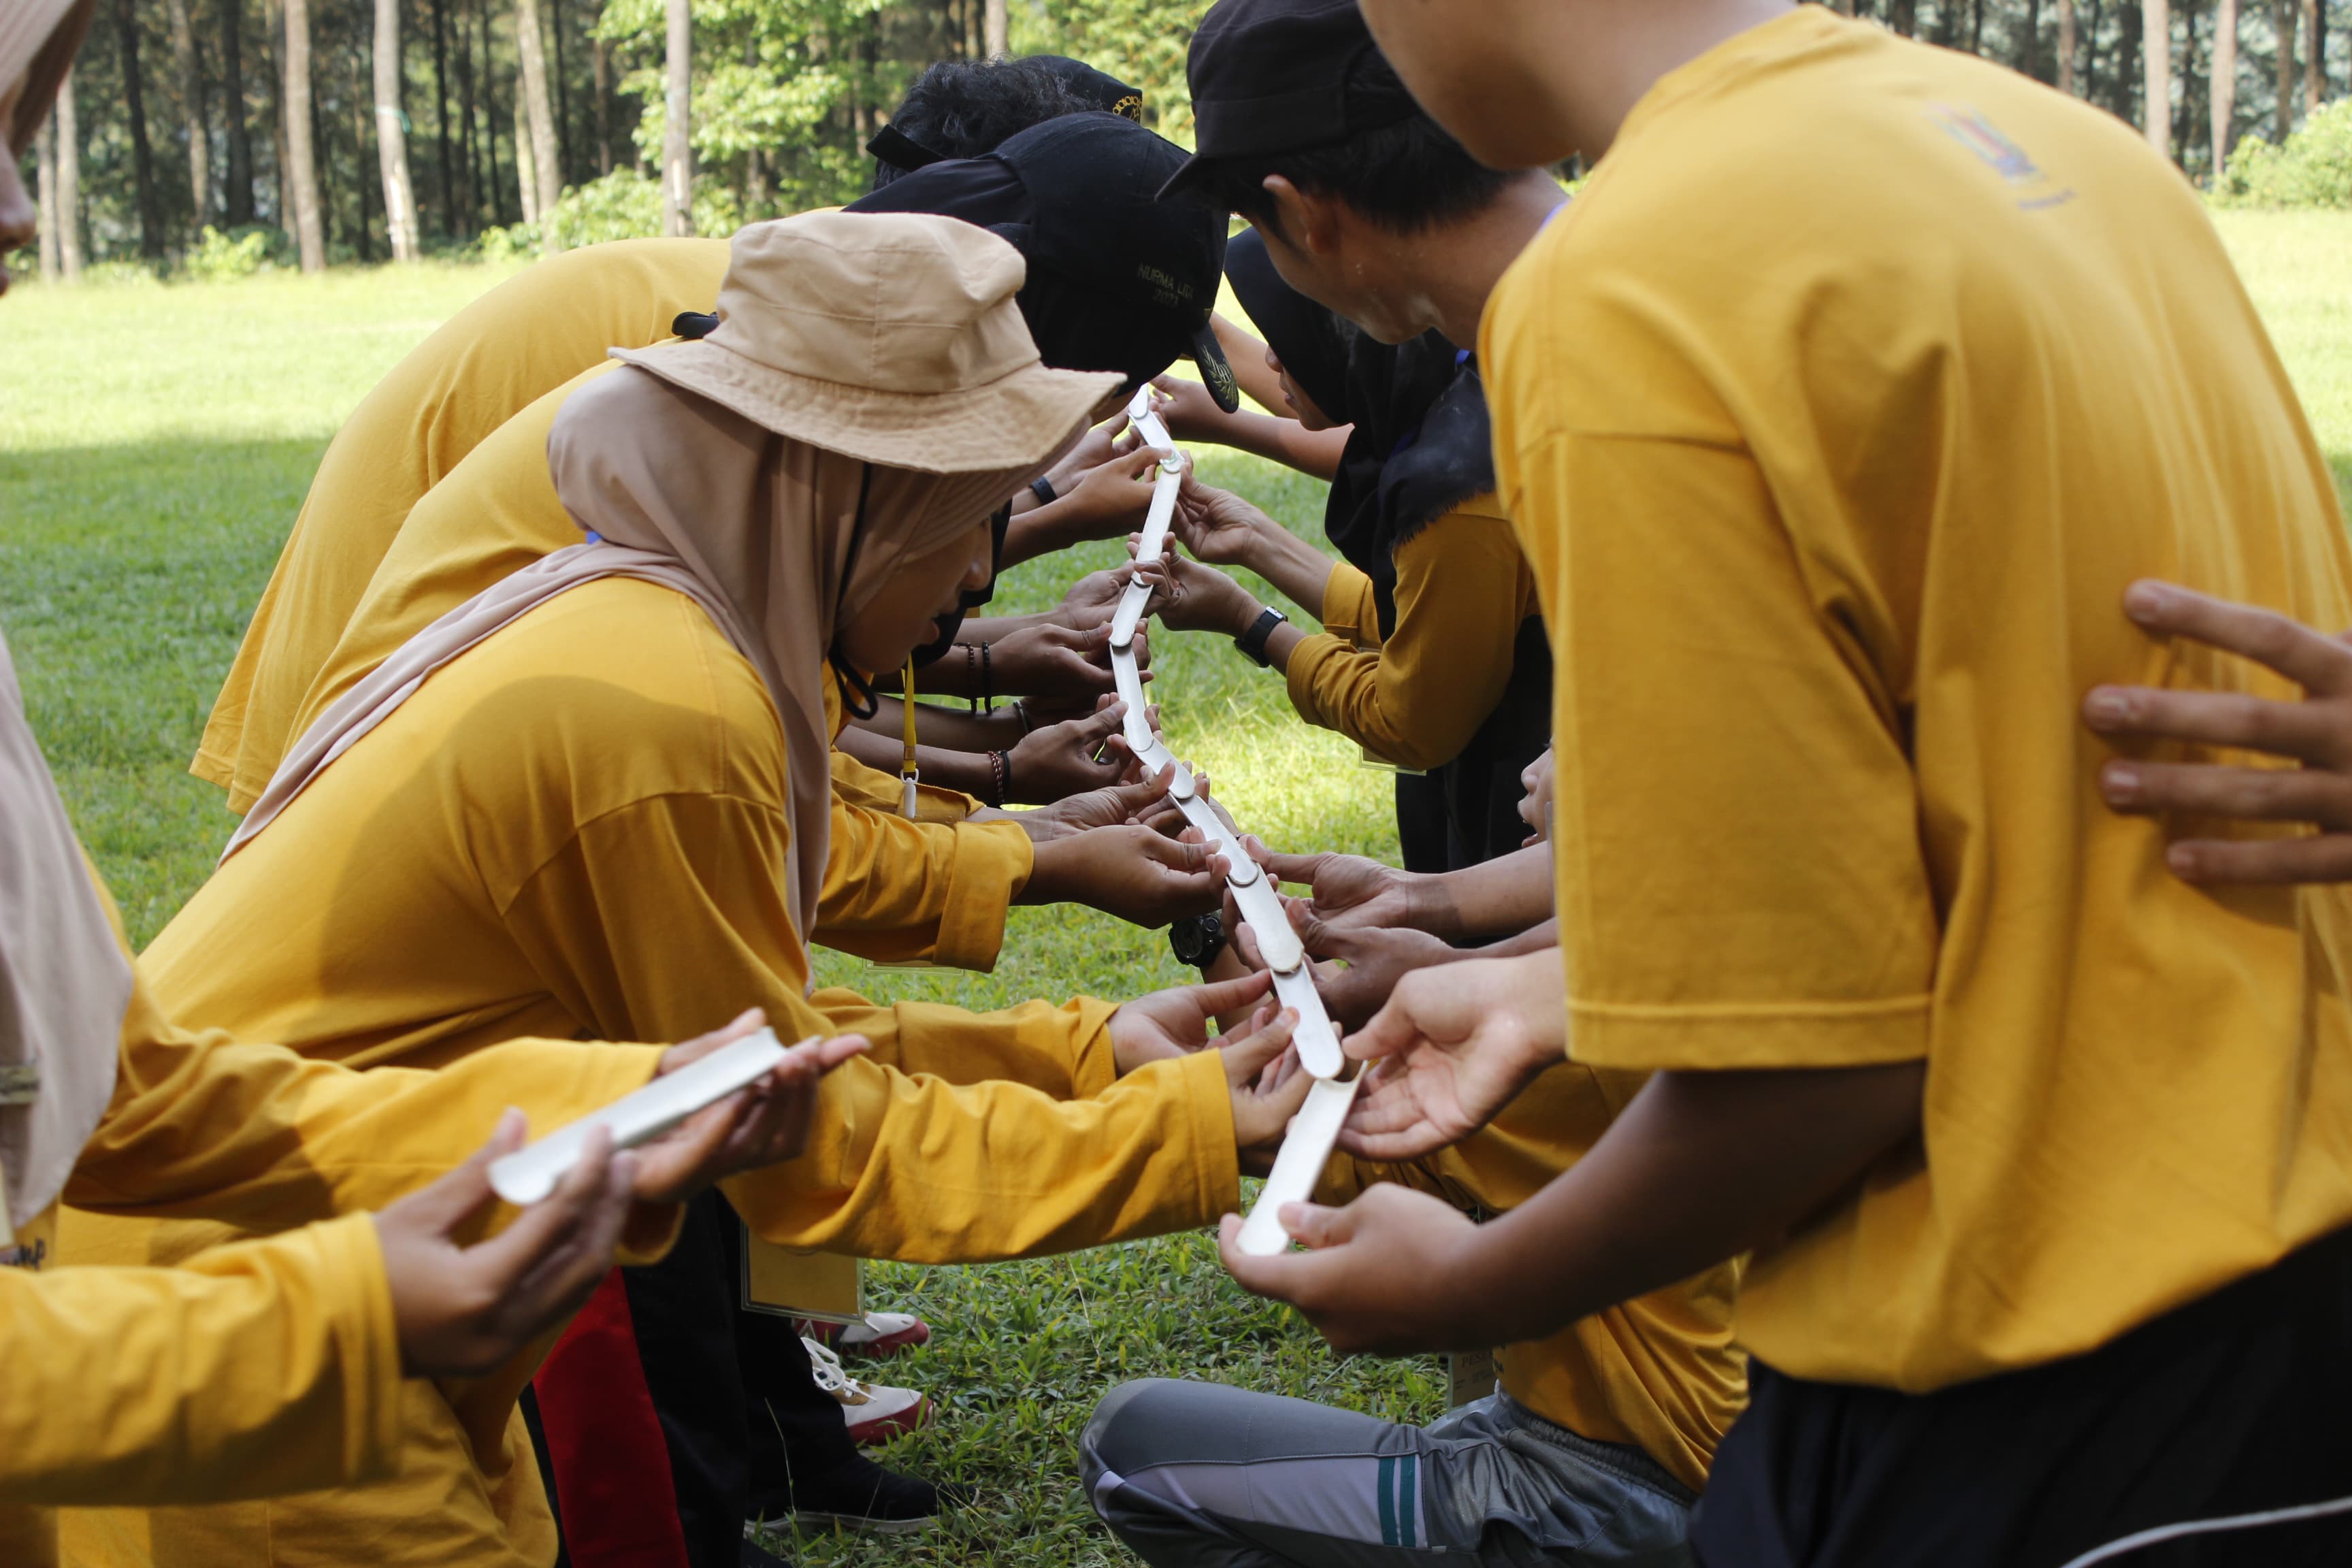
[{"x": 1969, "y": 127}]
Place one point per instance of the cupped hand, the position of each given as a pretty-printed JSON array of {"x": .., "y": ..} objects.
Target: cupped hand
[
  {"x": 1143, "y": 802},
  {"x": 1092, "y": 601},
  {"x": 460, "y": 1310},
  {"x": 1267, "y": 1083},
  {"x": 1188, "y": 410},
  {"x": 1056, "y": 761},
  {"x": 1134, "y": 872},
  {"x": 1175, "y": 1022},
  {"x": 1350, "y": 892},
  {"x": 1453, "y": 1045},
  {"x": 1110, "y": 499},
  {"x": 1052, "y": 663},
  {"x": 1370, "y": 960},
  {"x": 1389, "y": 1275},
  {"x": 1188, "y": 596},
  {"x": 1219, "y": 526},
  {"x": 1099, "y": 445},
  {"x": 2315, "y": 734},
  {"x": 764, "y": 1123}
]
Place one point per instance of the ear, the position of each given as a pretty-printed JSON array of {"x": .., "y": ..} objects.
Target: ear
[{"x": 1309, "y": 221}]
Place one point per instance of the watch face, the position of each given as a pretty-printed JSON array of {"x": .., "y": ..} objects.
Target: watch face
[{"x": 1195, "y": 939}]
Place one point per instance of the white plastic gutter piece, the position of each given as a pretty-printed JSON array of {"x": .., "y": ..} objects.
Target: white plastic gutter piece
[
  {"x": 530, "y": 1174},
  {"x": 1318, "y": 1044},
  {"x": 1136, "y": 725},
  {"x": 1150, "y": 546},
  {"x": 1305, "y": 1150}
]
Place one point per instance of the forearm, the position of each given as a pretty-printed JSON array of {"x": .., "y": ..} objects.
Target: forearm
[
  {"x": 1285, "y": 441},
  {"x": 1510, "y": 895},
  {"x": 1295, "y": 567},
  {"x": 1701, "y": 1167},
  {"x": 259, "y": 1369}
]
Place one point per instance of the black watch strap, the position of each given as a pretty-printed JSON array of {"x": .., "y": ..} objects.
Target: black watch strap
[
  {"x": 1042, "y": 488},
  {"x": 1253, "y": 642},
  {"x": 1197, "y": 940}
]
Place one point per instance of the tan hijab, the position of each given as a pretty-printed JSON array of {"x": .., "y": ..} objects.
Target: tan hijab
[
  {"x": 756, "y": 528},
  {"x": 64, "y": 977},
  {"x": 768, "y": 527}
]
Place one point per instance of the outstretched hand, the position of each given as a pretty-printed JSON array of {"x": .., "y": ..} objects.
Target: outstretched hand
[
  {"x": 2314, "y": 733},
  {"x": 1386, "y": 1275},
  {"x": 764, "y": 1123},
  {"x": 1452, "y": 1047},
  {"x": 460, "y": 1310},
  {"x": 1370, "y": 960},
  {"x": 1055, "y": 762},
  {"x": 1175, "y": 1022}
]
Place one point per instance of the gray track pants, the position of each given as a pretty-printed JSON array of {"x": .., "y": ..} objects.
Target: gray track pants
[{"x": 1197, "y": 1474}]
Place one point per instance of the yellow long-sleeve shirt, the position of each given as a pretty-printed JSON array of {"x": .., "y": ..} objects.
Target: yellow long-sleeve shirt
[
  {"x": 1659, "y": 1372},
  {"x": 264, "y": 1367},
  {"x": 1417, "y": 696},
  {"x": 894, "y": 891},
  {"x": 582, "y": 821},
  {"x": 527, "y": 335}
]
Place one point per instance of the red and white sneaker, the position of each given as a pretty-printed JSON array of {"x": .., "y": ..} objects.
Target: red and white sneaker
[
  {"x": 877, "y": 1334},
  {"x": 874, "y": 1413}
]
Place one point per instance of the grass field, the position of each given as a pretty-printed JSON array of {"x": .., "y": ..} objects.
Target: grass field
[{"x": 154, "y": 443}]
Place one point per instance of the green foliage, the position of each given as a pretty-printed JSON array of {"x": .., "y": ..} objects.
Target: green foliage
[
  {"x": 2312, "y": 168},
  {"x": 1138, "y": 41},
  {"x": 626, "y": 205},
  {"x": 219, "y": 259}
]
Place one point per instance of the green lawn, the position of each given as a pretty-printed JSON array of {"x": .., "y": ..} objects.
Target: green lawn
[{"x": 154, "y": 443}]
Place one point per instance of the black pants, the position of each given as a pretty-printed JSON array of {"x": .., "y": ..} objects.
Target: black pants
[
  {"x": 2233, "y": 1405},
  {"x": 738, "y": 1407}
]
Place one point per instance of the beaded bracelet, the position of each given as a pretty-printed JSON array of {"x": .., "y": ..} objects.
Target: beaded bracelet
[
  {"x": 1000, "y": 775},
  {"x": 980, "y": 698}
]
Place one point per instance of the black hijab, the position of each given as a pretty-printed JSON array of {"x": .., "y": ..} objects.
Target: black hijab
[{"x": 1421, "y": 444}]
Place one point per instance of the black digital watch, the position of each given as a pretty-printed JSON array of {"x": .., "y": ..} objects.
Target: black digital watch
[{"x": 1197, "y": 940}]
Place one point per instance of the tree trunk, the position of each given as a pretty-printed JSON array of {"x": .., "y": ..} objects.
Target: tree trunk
[
  {"x": 566, "y": 138},
  {"x": 469, "y": 161},
  {"x": 525, "y": 175},
  {"x": 2283, "y": 13},
  {"x": 488, "y": 76},
  {"x": 2224, "y": 90},
  {"x": 2155, "y": 45},
  {"x": 2029, "y": 53},
  {"x": 391, "y": 141},
  {"x": 300, "y": 173},
  {"x": 604, "y": 112},
  {"x": 2066, "y": 47},
  {"x": 545, "y": 170},
  {"x": 2314, "y": 71},
  {"x": 143, "y": 156},
  {"x": 441, "y": 120},
  {"x": 69, "y": 182},
  {"x": 230, "y": 26},
  {"x": 1976, "y": 26},
  {"x": 192, "y": 104},
  {"x": 997, "y": 27},
  {"x": 44, "y": 165},
  {"x": 2184, "y": 117},
  {"x": 677, "y": 148},
  {"x": 1902, "y": 15}
]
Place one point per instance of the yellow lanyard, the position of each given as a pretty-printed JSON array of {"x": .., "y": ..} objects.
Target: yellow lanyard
[{"x": 907, "y": 772}]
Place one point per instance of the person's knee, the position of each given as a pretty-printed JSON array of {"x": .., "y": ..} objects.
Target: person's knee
[{"x": 1118, "y": 1436}]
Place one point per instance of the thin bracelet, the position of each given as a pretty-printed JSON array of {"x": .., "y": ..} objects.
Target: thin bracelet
[
  {"x": 1042, "y": 488},
  {"x": 987, "y": 683},
  {"x": 1000, "y": 774},
  {"x": 1021, "y": 711},
  {"x": 971, "y": 678},
  {"x": 1005, "y": 783}
]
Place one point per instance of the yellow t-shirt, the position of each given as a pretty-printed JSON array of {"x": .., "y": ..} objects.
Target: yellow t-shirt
[
  {"x": 579, "y": 826},
  {"x": 1417, "y": 698},
  {"x": 528, "y": 335},
  {"x": 1657, "y": 1372},
  {"x": 1836, "y": 415}
]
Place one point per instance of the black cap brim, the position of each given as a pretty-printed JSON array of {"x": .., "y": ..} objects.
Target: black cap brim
[
  {"x": 1216, "y": 371},
  {"x": 1186, "y": 176}
]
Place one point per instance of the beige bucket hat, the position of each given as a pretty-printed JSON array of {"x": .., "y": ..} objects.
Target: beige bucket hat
[{"x": 890, "y": 337}]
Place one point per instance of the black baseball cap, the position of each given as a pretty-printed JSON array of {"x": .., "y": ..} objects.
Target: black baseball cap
[
  {"x": 1118, "y": 280},
  {"x": 1272, "y": 76},
  {"x": 1096, "y": 90}
]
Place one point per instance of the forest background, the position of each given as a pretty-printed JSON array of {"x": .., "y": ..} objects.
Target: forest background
[{"x": 215, "y": 137}]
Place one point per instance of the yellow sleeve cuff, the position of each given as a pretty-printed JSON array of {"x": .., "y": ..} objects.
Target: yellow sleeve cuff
[{"x": 1665, "y": 1038}]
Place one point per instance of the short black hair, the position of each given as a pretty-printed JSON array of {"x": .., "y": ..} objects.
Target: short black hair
[
  {"x": 1404, "y": 176},
  {"x": 963, "y": 109}
]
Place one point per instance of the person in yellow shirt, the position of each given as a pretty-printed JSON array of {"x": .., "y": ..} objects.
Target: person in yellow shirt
[
  {"x": 276, "y": 1364},
  {"x": 1837, "y": 416},
  {"x": 1600, "y": 1436},
  {"x": 1443, "y": 673},
  {"x": 601, "y": 792}
]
